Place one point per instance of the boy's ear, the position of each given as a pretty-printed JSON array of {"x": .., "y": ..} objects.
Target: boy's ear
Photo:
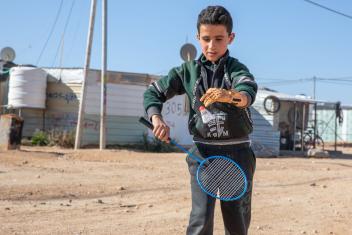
[
  {"x": 197, "y": 36},
  {"x": 231, "y": 37}
]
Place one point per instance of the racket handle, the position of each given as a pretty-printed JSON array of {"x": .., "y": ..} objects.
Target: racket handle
[
  {"x": 146, "y": 123},
  {"x": 150, "y": 126}
]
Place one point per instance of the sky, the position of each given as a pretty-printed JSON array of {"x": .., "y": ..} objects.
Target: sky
[{"x": 284, "y": 43}]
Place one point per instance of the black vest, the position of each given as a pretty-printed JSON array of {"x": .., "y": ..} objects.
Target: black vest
[{"x": 227, "y": 121}]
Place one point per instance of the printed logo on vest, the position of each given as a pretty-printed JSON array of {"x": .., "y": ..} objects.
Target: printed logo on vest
[{"x": 216, "y": 126}]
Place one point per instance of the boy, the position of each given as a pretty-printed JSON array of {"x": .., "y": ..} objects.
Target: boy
[{"x": 225, "y": 88}]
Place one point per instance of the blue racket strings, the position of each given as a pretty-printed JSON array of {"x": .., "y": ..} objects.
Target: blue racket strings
[
  {"x": 222, "y": 178},
  {"x": 219, "y": 176}
]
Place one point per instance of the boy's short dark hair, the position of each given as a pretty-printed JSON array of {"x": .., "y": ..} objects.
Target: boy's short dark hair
[{"x": 215, "y": 15}]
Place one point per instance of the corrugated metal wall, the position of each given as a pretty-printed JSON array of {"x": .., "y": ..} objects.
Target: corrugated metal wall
[
  {"x": 3, "y": 94},
  {"x": 60, "y": 113},
  {"x": 124, "y": 107},
  {"x": 347, "y": 125},
  {"x": 265, "y": 139},
  {"x": 326, "y": 125}
]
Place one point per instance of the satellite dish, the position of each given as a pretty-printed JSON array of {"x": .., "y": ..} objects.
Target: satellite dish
[
  {"x": 7, "y": 54},
  {"x": 188, "y": 52}
]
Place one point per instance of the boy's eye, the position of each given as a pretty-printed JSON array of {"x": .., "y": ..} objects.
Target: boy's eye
[{"x": 207, "y": 39}]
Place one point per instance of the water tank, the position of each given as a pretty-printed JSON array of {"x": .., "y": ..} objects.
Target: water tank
[{"x": 27, "y": 87}]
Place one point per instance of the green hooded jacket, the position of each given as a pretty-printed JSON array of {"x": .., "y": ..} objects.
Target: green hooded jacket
[{"x": 185, "y": 79}]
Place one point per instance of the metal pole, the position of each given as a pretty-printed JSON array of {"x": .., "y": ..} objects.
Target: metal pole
[
  {"x": 85, "y": 75},
  {"x": 315, "y": 114},
  {"x": 294, "y": 126},
  {"x": 1, "y": 104},
  {"x": 335, "y": 145},
  {"x": 103, "y": 78},
  {"x": 303, "y": 125},
  {"x": 315, "y": 124}
]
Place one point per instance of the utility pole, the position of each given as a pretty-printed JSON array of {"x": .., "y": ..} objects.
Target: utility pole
[
  {"x": 85, "y": 75},
  {"x": 103, "y": 78}
]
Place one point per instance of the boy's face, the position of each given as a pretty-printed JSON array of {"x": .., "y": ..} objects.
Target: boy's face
[{"x": 214, "y": 40}]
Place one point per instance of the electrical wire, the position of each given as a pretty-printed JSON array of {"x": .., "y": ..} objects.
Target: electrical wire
[
  {"x": 286, "y": 82},
  {"x": 336, "y": 79},
  {"x": 50, "y": 34},
  {"x": 349, "y": 77},
  {"x": 74, "y": 37},
  {"x": 283, "y": 82},
  {"x": 270, "y": 79},
  {"x": 63, "y": 34},
  {"x": 329, "y": 9},
  {"x": 337, "y": 83}
]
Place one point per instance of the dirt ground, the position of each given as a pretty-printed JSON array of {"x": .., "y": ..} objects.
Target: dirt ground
[{"x": 56, "y": 191}]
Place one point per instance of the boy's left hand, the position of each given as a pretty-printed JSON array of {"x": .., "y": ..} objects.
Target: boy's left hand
[{"x": 225, "y": 96}]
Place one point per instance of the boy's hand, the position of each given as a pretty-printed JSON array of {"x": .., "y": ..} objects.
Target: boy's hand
[
  {"x": 161, "y": 130},
  {"x": 213, "y": 95}
]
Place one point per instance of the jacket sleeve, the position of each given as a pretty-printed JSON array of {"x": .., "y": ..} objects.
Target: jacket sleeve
[
  {"x": 162, "y": 90},
  {"x": 243, "y": 81}
]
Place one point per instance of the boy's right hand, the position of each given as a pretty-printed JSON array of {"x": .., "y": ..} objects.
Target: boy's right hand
[{"x": 161, "y": 130}]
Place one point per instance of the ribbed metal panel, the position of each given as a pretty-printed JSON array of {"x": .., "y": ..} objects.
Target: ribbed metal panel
[
  {"x": 326, "y": 125},
  {"x": 121, "y": 130},
  {"x": 265, "y": 139},
  {"x": 124, "y": 108},
  {"x": 123, "y": 100}
]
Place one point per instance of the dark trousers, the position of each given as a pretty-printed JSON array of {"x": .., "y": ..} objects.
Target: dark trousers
[{"x": 236, "y": 214}]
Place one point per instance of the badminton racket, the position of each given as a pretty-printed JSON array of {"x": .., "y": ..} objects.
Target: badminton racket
[{"x": 218, "y": 176}]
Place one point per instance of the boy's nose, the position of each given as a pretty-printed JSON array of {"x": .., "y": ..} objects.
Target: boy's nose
[{"x": 211, "y": 44}]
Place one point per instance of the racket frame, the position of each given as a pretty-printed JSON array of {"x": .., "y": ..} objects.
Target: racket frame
[
  {"x": 202, "y": 161},
  {"x": 205, "y": 161}
]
